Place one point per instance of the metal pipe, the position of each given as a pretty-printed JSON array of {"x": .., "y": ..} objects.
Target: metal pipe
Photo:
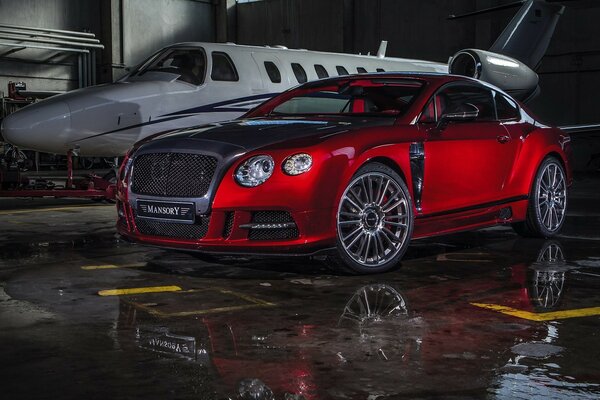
[
  {"x": 74, "y": 33},
  {"x": 69, "y": 184},
  {"x": 48, "y": 35},
  {"x": 35, "y": 46},
  {"x": 84, "y": 66},
  {"x": 93, "y": 55},
  {"x": 79, "y": 66},
  {"x": 63, "y": 42}
]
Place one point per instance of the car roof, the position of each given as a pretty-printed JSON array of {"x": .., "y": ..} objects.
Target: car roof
[{"x": 428, "y": 76}]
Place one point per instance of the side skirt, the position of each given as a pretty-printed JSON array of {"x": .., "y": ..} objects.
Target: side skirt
[{"x": 481, "y": 216}]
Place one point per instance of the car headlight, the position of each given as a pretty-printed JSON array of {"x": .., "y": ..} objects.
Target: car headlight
[
  {"x": 297, "y": 164},
  {"x": 255, "y": 171}
]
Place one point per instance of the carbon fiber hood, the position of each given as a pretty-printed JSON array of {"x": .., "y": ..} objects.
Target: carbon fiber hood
[
  {"x": 229, "y": 141},
  {"x": 252, "y": 134}
]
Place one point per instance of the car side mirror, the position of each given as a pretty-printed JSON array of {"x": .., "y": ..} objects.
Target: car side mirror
[{"x": 462, "y": 116}]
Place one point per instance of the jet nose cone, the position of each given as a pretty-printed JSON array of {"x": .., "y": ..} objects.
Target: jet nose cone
[{"x": 43, "y": 126}]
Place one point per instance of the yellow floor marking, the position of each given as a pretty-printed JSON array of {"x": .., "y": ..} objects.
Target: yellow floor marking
[
  {"x": 112, "y": 266},
  {"x": 548, "y": 316},
  {"x": 141, "y": 290},
  {"x": 254, "y": 303},
  {"x": 9, "y": 212}
]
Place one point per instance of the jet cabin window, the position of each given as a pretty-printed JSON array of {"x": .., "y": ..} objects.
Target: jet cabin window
[
  {"x": 361, "y": 70},
  {"x": 341, "y": 70},
  {"x": 385, "y": 99},
  {"x": 189, "y": 64},
  {"x": 273, "y": 72},
  {"x": 321, "y": 71},
  {"x": 299, "y": 72},
  {"x": 380, "y": 70},
  {"x": 460, "y": 98},
  {"x": 223, "y": 68}
]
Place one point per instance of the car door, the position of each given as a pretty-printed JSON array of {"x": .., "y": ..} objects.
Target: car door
[{"x": 466, "y": 162}]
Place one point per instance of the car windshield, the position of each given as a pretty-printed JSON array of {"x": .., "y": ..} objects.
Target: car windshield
[
  {"x": 376, "y": 97},
  {"x": 189, "y": 64}
]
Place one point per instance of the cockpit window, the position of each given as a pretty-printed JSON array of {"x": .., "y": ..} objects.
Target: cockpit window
[
  {"x": 189, "y": 64},
  {"x": 223, "y": 68},
  {"x": 354, "y": 98}
]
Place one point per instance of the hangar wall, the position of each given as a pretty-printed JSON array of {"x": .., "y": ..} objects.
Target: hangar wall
[
  {"x": 149, "y": 25},
  {"x": 58, "y": 73},
  {"x": 129, "y": 29}
]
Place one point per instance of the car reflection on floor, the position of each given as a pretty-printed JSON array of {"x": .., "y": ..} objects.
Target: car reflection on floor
[{"x": 378, "y": 340}]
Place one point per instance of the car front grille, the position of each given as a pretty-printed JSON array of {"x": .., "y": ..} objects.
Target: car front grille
[
  {"x": 173, "y": 174},
  {"x": 174, "y": 230}
]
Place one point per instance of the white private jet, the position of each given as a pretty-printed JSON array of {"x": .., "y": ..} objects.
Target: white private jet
[{"x": 190, "y": 84}]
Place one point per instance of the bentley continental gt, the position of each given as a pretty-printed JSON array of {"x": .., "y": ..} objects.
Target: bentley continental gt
[{"x": 350, "y": 168}]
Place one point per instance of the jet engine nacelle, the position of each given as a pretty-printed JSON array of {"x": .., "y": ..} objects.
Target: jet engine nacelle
[{"x": 507, "y": 73}]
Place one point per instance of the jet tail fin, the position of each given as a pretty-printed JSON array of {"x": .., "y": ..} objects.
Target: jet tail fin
[{"x": 527, "y": 36}]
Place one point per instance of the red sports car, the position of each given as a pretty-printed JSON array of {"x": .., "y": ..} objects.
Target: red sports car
[{"x": 351, "y": 168}]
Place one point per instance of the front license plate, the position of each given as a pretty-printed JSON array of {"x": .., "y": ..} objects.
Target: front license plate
[{"x": 166, "y": 210}]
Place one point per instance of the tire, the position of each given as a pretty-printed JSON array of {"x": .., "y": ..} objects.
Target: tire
[
  {"x": 374, "y": 221},
  {"x": 547, "y": 208}
]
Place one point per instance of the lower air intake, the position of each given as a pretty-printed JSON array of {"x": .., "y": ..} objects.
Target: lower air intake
[
  {"x": 274, "y": 218},
  {"x": 172, "y": 229}
]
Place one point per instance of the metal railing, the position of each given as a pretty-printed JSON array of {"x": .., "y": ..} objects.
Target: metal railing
[{"x": 82, "y": 44}]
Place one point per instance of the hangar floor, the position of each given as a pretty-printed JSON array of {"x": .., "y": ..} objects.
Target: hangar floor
[{"x": 479, "y": 314}]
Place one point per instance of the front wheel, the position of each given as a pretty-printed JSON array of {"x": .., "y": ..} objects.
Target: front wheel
[
  {"x": 547, "y": 207},
  {"x": 374, "y": 221}
]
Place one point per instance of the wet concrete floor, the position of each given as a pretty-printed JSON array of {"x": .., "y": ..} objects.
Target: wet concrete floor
[{"x": 481, "y": 314}]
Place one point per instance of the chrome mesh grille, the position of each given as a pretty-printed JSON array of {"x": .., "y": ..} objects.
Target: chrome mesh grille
[
  {"x": 273, "y": 217},
  {"x": 228, "y": 227},
  {"x": 173, "y": 174},
  {"x": 273, "y": 234},
  {"x": 172, "y": 229}
]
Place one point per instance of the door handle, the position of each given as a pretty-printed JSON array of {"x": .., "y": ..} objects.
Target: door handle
[{"x": 503, "y": 138}]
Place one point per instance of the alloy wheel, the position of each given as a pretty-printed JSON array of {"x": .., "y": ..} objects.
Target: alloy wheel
[
  {"x": 373, "y": 219},
  {"x": 551, "y": 197}
]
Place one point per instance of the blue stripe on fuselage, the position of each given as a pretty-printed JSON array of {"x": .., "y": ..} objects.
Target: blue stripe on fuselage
[
  {"x": 208, "y": 108},
  {"x": 214, "y": 107}
]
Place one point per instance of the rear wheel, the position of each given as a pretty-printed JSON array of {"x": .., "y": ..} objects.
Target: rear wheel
[
  {"x": 547, "y": 207},
  {"x": 374, "y": 221}
]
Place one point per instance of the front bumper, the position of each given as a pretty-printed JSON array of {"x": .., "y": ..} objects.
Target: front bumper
[{"x": 229, "y": 232}]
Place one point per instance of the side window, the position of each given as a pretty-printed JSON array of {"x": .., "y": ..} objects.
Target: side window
[
  {"x": 223, "y": 68},
  {"x": 457, "y": 99},
  {"x": 299, "y": 72},
  {"x": 321, "y": 71},
  {"x": 273, "y": 72},
  {"x": 506, "y": 108},
  {"x": 462, "y": 98},
  {"x": 380, "y": 70},
  {"x": 341, "y": 70},
  {"x": 428, "y": 116},
  {"x": 361, "y": 70}
]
